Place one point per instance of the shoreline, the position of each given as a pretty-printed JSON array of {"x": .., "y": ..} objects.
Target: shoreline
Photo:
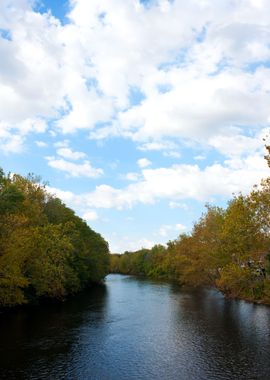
[{"x": 225, "y": 295}]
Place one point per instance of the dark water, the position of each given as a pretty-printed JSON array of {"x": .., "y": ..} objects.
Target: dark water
[{"x": 137, "y": 329}]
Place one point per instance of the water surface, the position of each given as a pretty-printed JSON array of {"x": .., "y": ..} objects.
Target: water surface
[{"x": 133, "y": 328}]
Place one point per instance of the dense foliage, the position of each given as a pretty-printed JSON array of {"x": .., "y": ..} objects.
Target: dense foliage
[
  {"x": 227, "y": 248},
  {"x": 45, "y": 249}
]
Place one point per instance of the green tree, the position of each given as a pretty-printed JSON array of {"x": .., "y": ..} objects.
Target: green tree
[{"x": 45, "y": 249}]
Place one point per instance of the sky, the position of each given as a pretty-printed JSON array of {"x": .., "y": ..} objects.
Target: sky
[{"x": 136, "y": 113}]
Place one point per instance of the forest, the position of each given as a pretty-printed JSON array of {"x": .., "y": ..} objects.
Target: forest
[
  {"x": 227, "y": 248},
  {"x": 46, "y": 251}
]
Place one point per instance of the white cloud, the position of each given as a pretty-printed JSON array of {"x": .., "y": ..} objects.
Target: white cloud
[
  {"x": 168, "y": 148},
  {"x": 74, "y": 170},
  {"x": 12, "y": 137},
  {"x": 180, "y": 227},
  {"x": 41, "y": 144},
  {"x": 10, "y": 143},
  {"x": 178, "y": 182},
  {"x": 30, "y": 74},
  {"x": 66, "y": 196},
  {"x": 132, "y": 176},
  {"x": 70, "y": 154},
  {"x": 158, "y": 145},
  {"x": 236, "y": 145},
  {"x": 127, "y": 243},
  {"x": 168, "y": 229},
  {"x": 62, "y": 144},
  {"x": 212, "y": 58},
  {"x": 200, "y": 157},
  {"x": 199, "y": 107},
  {"x": 90, "y": 216},
  {"x": 143, "y": 162}
]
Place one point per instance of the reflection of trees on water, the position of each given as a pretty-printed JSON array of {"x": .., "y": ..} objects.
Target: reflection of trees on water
[
  {"x": 231, "y": 336},
  {"x": 134, "y": 327},
  {"x": 38, "y": 341}
]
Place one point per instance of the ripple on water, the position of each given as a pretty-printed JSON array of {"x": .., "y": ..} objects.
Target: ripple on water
[{"x": 138, "y": 329}]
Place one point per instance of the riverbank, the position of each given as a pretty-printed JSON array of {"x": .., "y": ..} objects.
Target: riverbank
[{"x": 265, "y": 302}]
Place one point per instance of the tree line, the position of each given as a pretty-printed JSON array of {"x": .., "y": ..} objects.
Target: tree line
[
  {"x": 46, "y": 251},
  {"x": 228, "y": 248}
]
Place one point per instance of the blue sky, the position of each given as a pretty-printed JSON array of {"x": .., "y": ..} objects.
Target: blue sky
[{"x": 136, "y": 113}]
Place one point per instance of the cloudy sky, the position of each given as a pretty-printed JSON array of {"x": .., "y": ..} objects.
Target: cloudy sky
[{"x": 137, "y": 113}]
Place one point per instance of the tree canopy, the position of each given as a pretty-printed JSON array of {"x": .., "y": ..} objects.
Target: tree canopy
[
  {"x": 45, "y": 249},
  {"x": 227, "y": 248}
]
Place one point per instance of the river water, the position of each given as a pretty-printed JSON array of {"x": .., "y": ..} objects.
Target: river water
[{"x": 134, "y": 328}]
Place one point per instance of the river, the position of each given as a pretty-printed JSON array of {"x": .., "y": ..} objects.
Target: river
[{"x": 133, "y": 328}]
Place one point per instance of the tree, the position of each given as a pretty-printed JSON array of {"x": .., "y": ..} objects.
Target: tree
[{"x": 45, "y": 249}]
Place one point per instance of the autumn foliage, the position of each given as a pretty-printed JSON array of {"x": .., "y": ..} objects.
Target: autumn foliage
[
  {"x": 227, "y": 248},
  {"x": 45, "y": 249}
]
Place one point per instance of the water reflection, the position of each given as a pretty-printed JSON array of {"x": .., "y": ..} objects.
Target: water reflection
[
  {"x": 138, "y": 329},
  {"x": 37, "y": 342},
  {"x": 228, "y": 338}
]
